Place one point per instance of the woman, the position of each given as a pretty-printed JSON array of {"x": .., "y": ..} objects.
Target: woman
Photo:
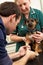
[{"x": 21, "y": 30}]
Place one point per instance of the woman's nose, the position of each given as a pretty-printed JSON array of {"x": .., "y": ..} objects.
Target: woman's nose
[{"x": 23, "y": 7}]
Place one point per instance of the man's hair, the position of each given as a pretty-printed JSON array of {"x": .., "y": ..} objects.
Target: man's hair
[{"x": 9, "y": 8}]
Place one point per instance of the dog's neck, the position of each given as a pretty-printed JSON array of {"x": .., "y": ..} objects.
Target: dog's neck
[{"x": 32, "y": 30}]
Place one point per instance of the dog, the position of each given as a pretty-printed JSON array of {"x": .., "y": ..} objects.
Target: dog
[{"x": 31, "y": 25}]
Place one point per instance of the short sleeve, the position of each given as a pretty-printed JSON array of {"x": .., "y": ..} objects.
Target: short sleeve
[{"x": 41, "y": 18}]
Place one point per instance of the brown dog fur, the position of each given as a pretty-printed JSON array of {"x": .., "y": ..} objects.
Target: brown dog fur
[{"x": 31, "y": 24}]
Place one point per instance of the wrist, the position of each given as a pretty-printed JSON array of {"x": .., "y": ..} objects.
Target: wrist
[
  {"x": 27, "y": 57},
  {"x": 18, "y": 54},
  {"x": 23, "y": 38}
]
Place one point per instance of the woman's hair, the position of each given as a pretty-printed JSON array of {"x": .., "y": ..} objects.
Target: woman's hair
[
  {"x": 15, "y": 1},
  {"x": 9, "y": 8}
]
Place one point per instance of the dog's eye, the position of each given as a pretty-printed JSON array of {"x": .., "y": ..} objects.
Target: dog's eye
[
  {"x": 32, "y": 20},
  {"x": 27, "y": 21}
]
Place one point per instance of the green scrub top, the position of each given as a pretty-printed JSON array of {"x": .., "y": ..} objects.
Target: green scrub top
[{"x": 22, "y": 29}]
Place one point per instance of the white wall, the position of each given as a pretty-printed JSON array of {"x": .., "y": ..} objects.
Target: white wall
[
  {"x": 41, "y": 5},
  {"x": 1, "y": 1},
  {"x": 36, "y": 4}
]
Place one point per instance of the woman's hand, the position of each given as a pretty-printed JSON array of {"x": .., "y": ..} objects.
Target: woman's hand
[{"x": 38, "y": 37}]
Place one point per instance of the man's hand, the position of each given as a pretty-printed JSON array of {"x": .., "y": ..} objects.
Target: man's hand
[
  {"x": 26, "y": 50},
  {"x": 31, "y": 54},
  {"x": 23, "y": 49}
]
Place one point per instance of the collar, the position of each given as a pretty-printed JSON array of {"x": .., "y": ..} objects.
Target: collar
[
  {"x": 32, "y": 11},
  {"x": 31, "y": 14}
]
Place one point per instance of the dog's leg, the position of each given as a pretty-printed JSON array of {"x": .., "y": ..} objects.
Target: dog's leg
[
  {"x": 28, "y": 40},
  {"x": 37, "y": 48}
]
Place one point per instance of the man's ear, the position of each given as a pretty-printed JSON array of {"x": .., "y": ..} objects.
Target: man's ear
[{"x": 12, "y": 16}]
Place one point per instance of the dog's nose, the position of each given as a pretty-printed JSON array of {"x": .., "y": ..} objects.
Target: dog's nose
[{"x": 30, "y": 25}]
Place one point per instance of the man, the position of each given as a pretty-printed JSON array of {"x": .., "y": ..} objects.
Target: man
[
  {"x": 9, "y": 18},
  {"x": 27, "y": 12}
]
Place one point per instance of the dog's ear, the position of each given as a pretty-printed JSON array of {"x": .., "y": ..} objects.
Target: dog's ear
[
  {"x": 26, "y": 21},
  {"x": 33, "y": 19},
  {"x": 36, "y": 20}
]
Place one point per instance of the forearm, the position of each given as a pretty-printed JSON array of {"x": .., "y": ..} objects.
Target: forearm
[
  {"x": 16, "y": 38},
  {"x": 28, "y": 56},
  {"x": 21, "y": 61},
  {"x": 14, "y": 55}
]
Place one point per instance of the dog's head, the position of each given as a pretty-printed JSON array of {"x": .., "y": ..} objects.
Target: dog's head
[{"x": 31, "y": 23}]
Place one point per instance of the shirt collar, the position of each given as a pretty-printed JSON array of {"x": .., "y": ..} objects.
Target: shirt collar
[
  {"x": 31, "y": 14},
  {"x": 32, "y": 11}
]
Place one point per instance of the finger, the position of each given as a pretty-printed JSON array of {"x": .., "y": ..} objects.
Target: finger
[
  {"x": 38, "y": 32},
  {"x": 24, "y": 46},
  {"x": 29, "y": 48},
  {"x": 36, "y": 35}
]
